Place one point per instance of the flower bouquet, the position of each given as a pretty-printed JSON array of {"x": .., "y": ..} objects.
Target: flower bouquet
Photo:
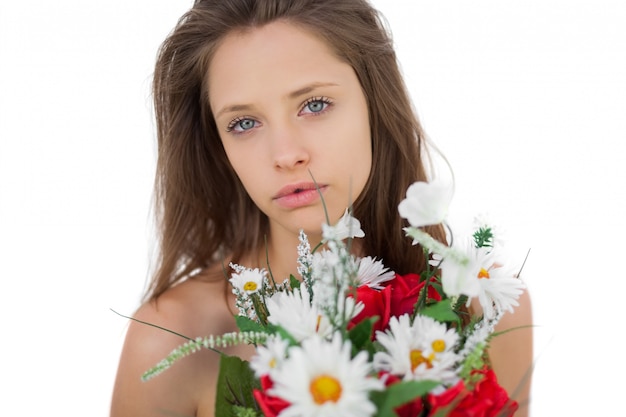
[{"x": 352, "y": 338}]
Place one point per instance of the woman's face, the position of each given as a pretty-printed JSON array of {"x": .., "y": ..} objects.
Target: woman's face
[{"x": 289, "y": 111}]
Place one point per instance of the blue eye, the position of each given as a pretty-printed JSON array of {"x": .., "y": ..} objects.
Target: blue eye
[
  {"x": 241, "y": 124},
  {"x": 315, "y": 105}
]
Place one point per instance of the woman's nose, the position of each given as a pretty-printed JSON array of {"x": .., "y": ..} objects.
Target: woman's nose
[{"x": 288, "y": 147}]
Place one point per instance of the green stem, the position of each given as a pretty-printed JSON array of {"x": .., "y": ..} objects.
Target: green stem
[{"x": 153, "y": 325}]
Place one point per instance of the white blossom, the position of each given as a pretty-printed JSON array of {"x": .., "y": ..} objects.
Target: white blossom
[
  {"x": 426, "y": 203},
  {"x": 346, "y": 227}
]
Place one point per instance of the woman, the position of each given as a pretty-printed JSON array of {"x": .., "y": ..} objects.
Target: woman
[{"x": 258, "y": 104}]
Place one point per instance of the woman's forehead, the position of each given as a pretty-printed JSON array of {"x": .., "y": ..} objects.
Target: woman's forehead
[{"x": 278, "y": 58}]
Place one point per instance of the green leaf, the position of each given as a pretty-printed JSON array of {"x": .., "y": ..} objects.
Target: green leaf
[
  {"x": 246, "y": 324},
  {"x": 438, "y": 287},
  {"x": 293, "y": 282},
  {"x": 483, "y": 237},
  {"x": 441, "y": 311},
  {"x": 361, "y": 335},
  {"x": 234, "y": 386},
  {"x": 283, "y": 334},
  {"x": 398, "y": 394},
  {"x": 461, "y": 301}
]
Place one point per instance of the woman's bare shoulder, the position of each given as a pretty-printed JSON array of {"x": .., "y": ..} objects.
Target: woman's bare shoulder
[{"x": 193, "y": 308}]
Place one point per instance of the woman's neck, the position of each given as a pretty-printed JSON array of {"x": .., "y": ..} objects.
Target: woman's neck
[{"x": 280, "y": 254}]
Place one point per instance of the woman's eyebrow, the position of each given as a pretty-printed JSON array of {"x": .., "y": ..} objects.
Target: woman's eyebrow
[
  {"x": 308, "y": 88},
  {"x": 294, "y": 94},
  {"x": 233, "y": 108}
]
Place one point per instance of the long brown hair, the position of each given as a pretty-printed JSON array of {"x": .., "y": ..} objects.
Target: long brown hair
[{"x": 202, "y": 208}]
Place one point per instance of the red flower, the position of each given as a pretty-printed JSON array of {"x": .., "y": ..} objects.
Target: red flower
[
  {"x": 376, "y": 303},
  {"x": 397, "y": 298},
  {"x": 270, "y": 405},
  {"x": 487, "y": 399},
  {"x": 405, "y": 291}
]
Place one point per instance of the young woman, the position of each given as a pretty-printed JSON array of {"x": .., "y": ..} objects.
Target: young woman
[{"x": 258, "y": 103}]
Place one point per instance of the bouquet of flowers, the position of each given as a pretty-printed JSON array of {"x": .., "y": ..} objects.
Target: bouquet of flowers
[{"x": 352, "y": 338}]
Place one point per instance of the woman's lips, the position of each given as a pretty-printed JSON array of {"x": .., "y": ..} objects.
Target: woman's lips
[{"x": 298, "y": 195}]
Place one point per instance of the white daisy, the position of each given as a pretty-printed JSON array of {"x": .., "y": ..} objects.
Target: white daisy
[
  {"x": 319, "y": 379},
  {"x": 346, "y": 227},
  {"x": 295, "y": 313},
  {"x": 248, "y": 280},
  {"x": 499, "y": 286},
  {"x": 372, "y": 273},
  {"x": 270, "y": 357},
  {"x": 426, "y": 203},
  {"x": 420, "y": 350}
]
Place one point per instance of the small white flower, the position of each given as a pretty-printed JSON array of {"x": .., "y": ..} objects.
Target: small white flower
[
  {"x": 344, "y": 310},
  {"x": 372, "y": 273},
  {"x": 420, "y": 350},
  {"x": 333, "y": 277},
  {"x": 324, "y": 263},
  {"x": 346, "y": 227},
  {"x": 326, "y": 266},
  {"x": 479, "y": 334},
  {"x": 336, "y": 266},
  {"x": 320, "y": 379},
  {"x": 248, "y": 280},
  {"x": 270, "y": 357},
  {"x": 305, "y": 258},
  {"x": 426, "y": 203}
]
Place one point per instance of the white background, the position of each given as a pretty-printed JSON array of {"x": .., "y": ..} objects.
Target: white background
[{"x": 527, "y": 99}]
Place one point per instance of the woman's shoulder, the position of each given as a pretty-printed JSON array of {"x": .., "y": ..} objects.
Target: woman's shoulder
[
  {"x": 194, "y": 308},
  {"x": 189, "y": 306}
]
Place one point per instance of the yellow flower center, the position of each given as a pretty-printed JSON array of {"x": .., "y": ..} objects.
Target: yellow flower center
[
  {"x": 483, "y": 273},
  {"x": 325, "y": 388},
  {"x": 417, "y": 358},
  {"x": 272, "y": 363},
  {"x": 439, "y": 345},
  {"x": 249, "y": 286}
]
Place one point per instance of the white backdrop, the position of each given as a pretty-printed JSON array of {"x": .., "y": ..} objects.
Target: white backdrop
[{"x": 526, "y": 99}]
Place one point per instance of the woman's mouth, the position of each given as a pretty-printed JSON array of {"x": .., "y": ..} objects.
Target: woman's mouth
[{"x": 299, "y": 195}]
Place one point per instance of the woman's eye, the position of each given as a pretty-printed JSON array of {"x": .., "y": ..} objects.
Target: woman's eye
[
  {"x": 241, "y": 124},
  {"x": 316, "y": 105}
]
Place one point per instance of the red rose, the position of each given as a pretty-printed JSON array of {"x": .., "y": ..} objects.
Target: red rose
[
  {"x": 398, "y": 297},
  {"x": 446, "y": 398},
  {"x": 270, "y": 405},
  {"x": 376, "y": 303},
  {"x": 487, "y": 399},
  {"x": 405, "y": 291}
]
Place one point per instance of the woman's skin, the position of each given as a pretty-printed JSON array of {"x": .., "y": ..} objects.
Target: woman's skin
[
  {"x": 511, "y": 353},
  {"x": 286, "y": 109}
]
